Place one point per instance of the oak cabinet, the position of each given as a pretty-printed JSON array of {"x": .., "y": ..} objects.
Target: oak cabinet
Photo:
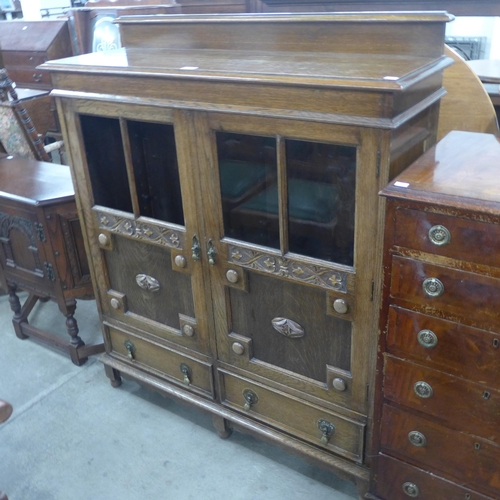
[
  {"x": 438, "y": 400},
  {"x": 229, "y": 191}
]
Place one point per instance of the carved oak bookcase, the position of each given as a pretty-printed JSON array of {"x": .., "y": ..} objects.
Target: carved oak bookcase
[{"x": 227, "y": 168}]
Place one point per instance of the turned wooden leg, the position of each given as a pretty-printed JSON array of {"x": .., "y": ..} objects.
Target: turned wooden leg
[
  {"x": 222, "y": 426},
  {"x": 72, "y": 327},
  {"x": 15, "y": 306},
  {"x": 113, "y": 375}
]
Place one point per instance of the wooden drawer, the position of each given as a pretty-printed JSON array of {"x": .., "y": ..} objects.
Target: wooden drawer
[
  {"x": 16, "y": 59},
  {"x": 465, "y": 297},
  {"x": 161, "y": 361},
  {"x": 294, "y": 416},
  {"x": 31, "y": 77},
  {"x": 466, "y": 352},
  {"x": 394, "y": 477},
  {"x": 473, "y": 461},
  {"x": 470, "y": 240},
  {"x": 459, "y": 403}
]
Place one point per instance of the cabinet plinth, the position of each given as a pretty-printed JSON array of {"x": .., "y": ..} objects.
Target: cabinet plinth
[{"x": 229, "y": 191}]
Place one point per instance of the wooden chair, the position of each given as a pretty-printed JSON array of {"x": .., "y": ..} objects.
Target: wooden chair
[
  {"x": 5, "y": 413},
  {"x": 467, "y": 105}
]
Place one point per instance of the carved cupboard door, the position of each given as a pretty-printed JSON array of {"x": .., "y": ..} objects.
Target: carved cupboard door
[
  {"x": 290, "y": 252},
  {"x": 141, "y": 216}
]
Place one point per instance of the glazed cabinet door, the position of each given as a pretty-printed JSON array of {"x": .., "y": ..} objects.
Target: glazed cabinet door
[
  {"x": 290, "y": 252},
  {"x": 140, "y": 209}
]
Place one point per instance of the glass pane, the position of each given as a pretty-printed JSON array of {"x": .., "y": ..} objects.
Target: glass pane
[
  {"x": 156, "y": 171},
  {"x": 249, "y": 191},
  {"x": 321, "y": 189},
  {"x": 106, "y": 162}
]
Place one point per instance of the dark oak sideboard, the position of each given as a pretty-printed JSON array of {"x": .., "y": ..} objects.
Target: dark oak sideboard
[
  {"x": 228, "y": 170},
  {"x": 438, "y": 408}
]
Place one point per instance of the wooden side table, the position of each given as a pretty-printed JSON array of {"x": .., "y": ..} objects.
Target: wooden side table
[{"x": 41, "y": 248}]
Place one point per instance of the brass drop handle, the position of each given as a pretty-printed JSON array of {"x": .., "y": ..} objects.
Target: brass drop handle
[
  {"x": 411, "y": 489},
  {"x": 130, "y": 349},
  {"x": 211, "y": 252},
  {"x": 196, "y": 249},
  {"x": 186, "y": 371},
  {"x": 327, "y": 430},
  {"x": 250, "y": 399},
  {"x": 37, "y": 78}
]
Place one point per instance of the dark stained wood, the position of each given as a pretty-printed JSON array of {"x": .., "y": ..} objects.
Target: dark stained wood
[
  {"x": 42, "y": 249},
  {"x": 453, "y": 187},
  {"x": 282, "y": 80}
]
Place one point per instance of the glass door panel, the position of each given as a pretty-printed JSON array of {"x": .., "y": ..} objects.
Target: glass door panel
[
  {"x": 249, "y": 189},
  {"x": 156, "y": 172},
  {"x": 321, "y": 180},
  {"x": 106, "y": 162}
]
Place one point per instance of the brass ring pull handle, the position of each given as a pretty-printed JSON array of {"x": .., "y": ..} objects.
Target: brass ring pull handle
[
  {"x": 327, "y": 430},
  {"x": 250, "y": 399},
  {"x": 196, "y": 249},
  {"x": 416, "y": 438},
  {"x": 411, "y": 490},
  {"x": 211, "y": 252},
  {"x": 130, "y": 349},
  {"x": 439, "y": 235},
  {"x": 433, "y": 287},
  {"x": 423, "y": 390},
  {"x": 186, "y": 371},
  {"x": 427, "y": 339}
]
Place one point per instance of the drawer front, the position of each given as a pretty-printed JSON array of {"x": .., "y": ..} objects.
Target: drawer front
[
  {"x": 459, "y": 403},
  {"x": 312, "y": 423},
  {"x": 457, "y": 295},
  {"x": 35, "y": 78},
  {"x": 399, "y": 481},
  {"x": 467, "y": 352},
  {"x": 187, "y": 371},
  {"x": 473, "y": 461},
  {"x": 452, "y": 237},
  {"x": 15, "y": 59}
]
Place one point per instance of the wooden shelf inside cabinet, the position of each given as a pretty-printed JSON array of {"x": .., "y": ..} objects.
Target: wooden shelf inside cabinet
[
  {"x": 229, "y": 188},
  {"x": 441, "y": 326},
  {"x": 42, "y": 250}
]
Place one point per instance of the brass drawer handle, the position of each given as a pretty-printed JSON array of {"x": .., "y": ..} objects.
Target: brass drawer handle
[
  {"x": 211, "y": 252},
  {"x": 417, "y": 439},
  {"x": 327, "y": 430},
  {"x": 147, "y": 283},
  {"x": 196, "y": 249},
  {"x": 186, "y": 371},
  {"x": 250, "y": 399},
  {"x": 339, "y": 384},
  {"x": 130, "y": 349},
  {"x": 411, "y": 490},
  {"x": 427, "y": 339},
  {"x": 423, "y": 390},
  {"x": 232, "y": 276},
  {"x": 37, "y": 78},
  {"x": 433, "y": 287},
  {"x": 103, "y": 239},
  {"x": 439, "y": 235}
]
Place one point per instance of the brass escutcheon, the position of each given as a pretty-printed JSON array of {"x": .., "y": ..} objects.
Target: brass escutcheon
[{"x": 196, "y": 249}]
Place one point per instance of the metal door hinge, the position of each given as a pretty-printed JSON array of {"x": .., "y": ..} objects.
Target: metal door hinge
[
  {"x": 49, "y": 271},
  {"x": 40, "y": 232}
]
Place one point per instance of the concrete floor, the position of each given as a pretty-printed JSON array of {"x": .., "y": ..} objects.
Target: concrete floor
[{"x": 73, "y": 437}]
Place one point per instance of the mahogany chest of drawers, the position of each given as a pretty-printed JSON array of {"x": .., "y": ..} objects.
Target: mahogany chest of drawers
[{"x": 439, "y": 393}]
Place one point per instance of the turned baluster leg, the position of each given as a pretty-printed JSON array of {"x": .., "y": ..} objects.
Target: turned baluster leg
[
  {"x": 15, "y": 305},
  {"x": 72, "y": 328}
]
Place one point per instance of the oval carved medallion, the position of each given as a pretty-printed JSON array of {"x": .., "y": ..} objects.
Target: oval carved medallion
[{"x": 288, "y": 328}]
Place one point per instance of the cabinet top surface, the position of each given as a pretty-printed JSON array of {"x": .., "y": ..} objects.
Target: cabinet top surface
[
  {"x": 463, "y": 166},
  {"x": 376, "y": 71},
  {"x": 20, "y": 35},
  {"x": 34, "y": 182}
]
